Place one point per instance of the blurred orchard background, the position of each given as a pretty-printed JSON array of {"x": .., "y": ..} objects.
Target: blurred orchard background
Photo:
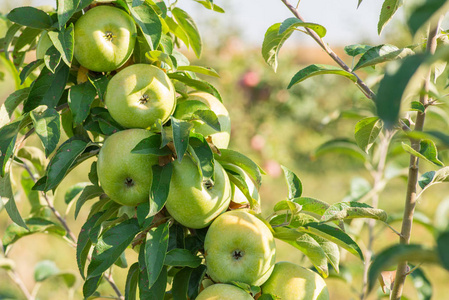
[{"x": 272, "y": 125}]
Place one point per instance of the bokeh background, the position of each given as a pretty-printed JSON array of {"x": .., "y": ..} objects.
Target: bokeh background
[{"x": 272, "y": 125}]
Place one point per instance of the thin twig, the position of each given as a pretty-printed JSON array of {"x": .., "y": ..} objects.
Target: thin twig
[
  {"x": 379, "y": 184},
  {"x": 19, "y": 282},
  {"x": 410, "y": 200},
  {"x": 362, "y": 85}
]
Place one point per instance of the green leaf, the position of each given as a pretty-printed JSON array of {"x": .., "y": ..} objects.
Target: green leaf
[
  {"x": 47, "y": 89},
  {"x": 64, "y": 42},
  {"x": 239, "y": 181},
  {"x": 34, "y": 225},
  {"x": 181, "y": 284},
  {"x": 28, "y": 69},
  {"x": 148, "y": 21},
  {"x": 111, "y": 245},
  {"x": 418, "y": 106},
  {"x": 380, "y": 54},
  {"x": 442, "y": 246},
  {"x": 157, "y": 289},
  {"x": 357, "y": 49},
  {"x": 7, "y": 197},
  {"x": 272, "y": 44},
  {"x": 91, "y": 285},
  {"x": 422, "y": 284},
  {"x": 342, "y": 146},
  {"x": 366, "y": 132},
  {"x": 195, "y": 281},
  {"x": 155, "y": 251},
  {"x": 66, "y": 9},
  {"x": 199, "y": 69},
  {"x": 73, "y": 191},
  {"x": 427, "y": 12},
  {"x": 84, "y": 243},
  {"x": 177, "y": 30},
  {"x": 52, "y": 58},
  {"x": 45, "y": 269},
  {"x": 204, "y": 154},
  {"x": 316, "y": 69},
  {"x": 293, "y": 207},
  {"x": 61, "y": 162},
  {"x": 312, "y": 205},
  {"x": 159, "y": 187},
  {"x": 293, "y": 182},
  {"x": 292, "y": 23},
  {"x": 9, "y": 37},
  {"x": 151, "y": 145},
  {"x": 399, "y": 253},
  {"x": 310, "y": 247},
  {"x": 181, "y": 135},
  {"x": 389, "y": 8},
  {"x": 182, "y": 258},
  {"x": 26, "y": 40},
  {"x": 100, "y": 120},
  {"x": 434, "y": 177},
  {"x": 392, "y": 87},
  {"x": 132, "y": 279},
  {"x": 428, "y": 152},
  {"x": 14, "y": 100},
  {"x": 80, "y": 99},
  {"x": 8, "y": 136},
  {"x": 89, "y": 192},
  {"x": 48, "y": 127},
  {"x": 208, "y": 117},
  {"x": 211, "y": 6},
  {"x": 160, "y": 56},
  {"x": 100, "y": 83},
  {"x": 197, "y": 84},
  {"x": 335, "y": 235},
  {"x": 30, "y": 17},
  {"x": 352, "y": 210},
  {"x": 188, "y": 25},
  {"x": 242, "y": 161}
]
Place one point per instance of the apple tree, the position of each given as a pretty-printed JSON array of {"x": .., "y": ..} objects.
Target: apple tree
[
  {"x": 390, "y": 125},
  {"x": 111, "y": 85}
]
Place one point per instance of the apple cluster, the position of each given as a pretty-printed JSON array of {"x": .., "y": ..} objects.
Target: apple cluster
[{"x": 239, "y": 246}]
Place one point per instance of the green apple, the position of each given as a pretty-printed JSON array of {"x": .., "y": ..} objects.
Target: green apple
[
  {"x": 293, "y": 282},
  {"x": 104, "y": 38},
  {"x": 43, "y": 44},
  {"x": 139, "y": 95},
  {"x": 223, "y": 292},
  {"x": 193, "y": 202},
  {"x": 203, "y": 101},
  {"x": 239, "y": 247},
  {"x": 126, "y": 178}
]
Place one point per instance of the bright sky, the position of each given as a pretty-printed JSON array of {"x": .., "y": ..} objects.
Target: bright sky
[{"x": 344, "y": 22}]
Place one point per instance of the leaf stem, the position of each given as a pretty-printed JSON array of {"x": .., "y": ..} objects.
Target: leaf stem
[
  {"x": 410, "y": 200},
  {"x": 360, "y": 84}
]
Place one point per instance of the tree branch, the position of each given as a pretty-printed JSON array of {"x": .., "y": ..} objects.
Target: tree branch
[
  {"x": 360, "y": 84},
  {"x": 410, "y": 200},
  {"x": 18, "y": 281},
  {"x": 70, "y": 234}
]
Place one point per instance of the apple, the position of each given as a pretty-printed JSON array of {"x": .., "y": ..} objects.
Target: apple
[
  {"x": 193, "y": 103},
  {"x": 290, "y": 281},
  {"x": 43, "y": 44},
  {"x": 104, "y": 38},
  {"x": 126, "y": 178},
  {"x": 139, "y": 95},
  {"x": 221, "y": 291},
  {"x": 193, "y": 202},
  {"x": 239, "y": 247}
]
